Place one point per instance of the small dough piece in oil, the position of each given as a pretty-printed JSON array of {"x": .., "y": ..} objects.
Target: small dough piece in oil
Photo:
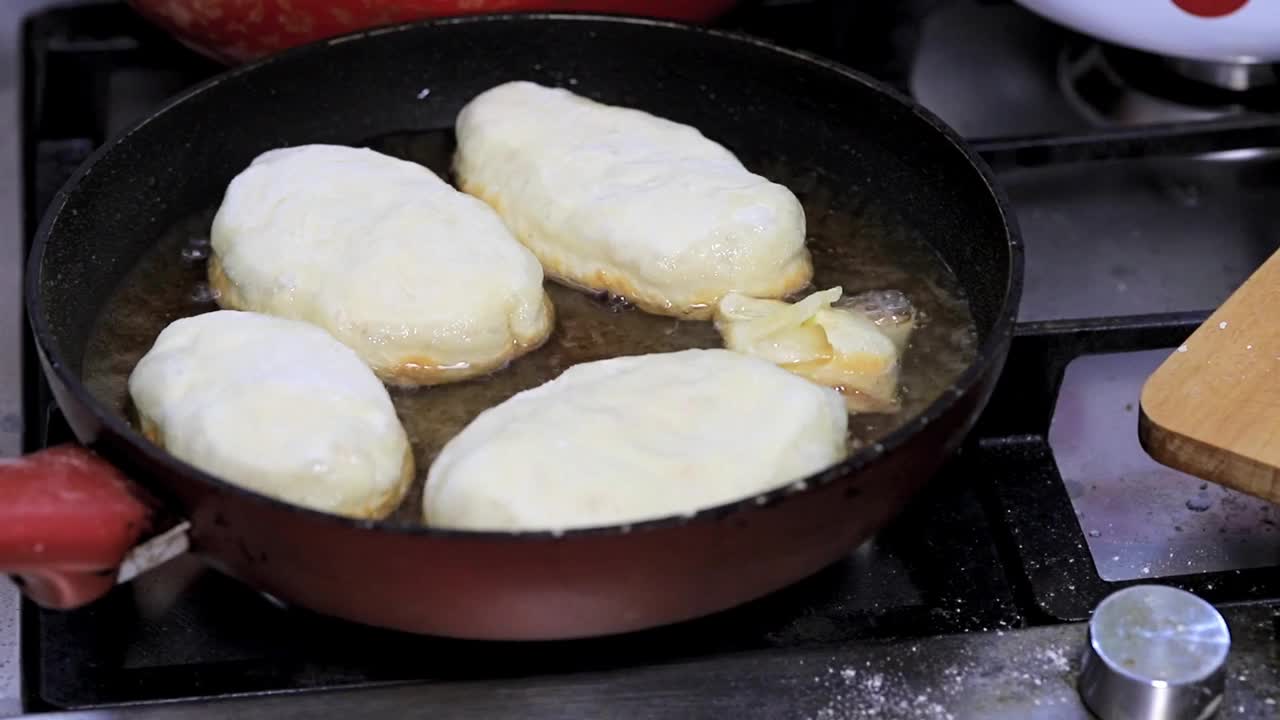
[{"x": 854, "y": 348}]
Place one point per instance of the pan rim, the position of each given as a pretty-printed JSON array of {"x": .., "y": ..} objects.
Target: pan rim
[{"x": 992, "y": 351}]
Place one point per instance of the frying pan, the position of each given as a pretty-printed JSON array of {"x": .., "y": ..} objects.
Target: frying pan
[{"x": 835, "y": 124}]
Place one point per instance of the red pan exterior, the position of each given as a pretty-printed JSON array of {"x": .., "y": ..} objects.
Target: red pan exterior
[{"x": 532, "y": 586}]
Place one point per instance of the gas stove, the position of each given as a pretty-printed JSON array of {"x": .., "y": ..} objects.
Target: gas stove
[{"x": 1136, "y": 222}]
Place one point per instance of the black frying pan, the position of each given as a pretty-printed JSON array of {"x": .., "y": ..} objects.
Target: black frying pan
[{"x": 893, "y": 198}]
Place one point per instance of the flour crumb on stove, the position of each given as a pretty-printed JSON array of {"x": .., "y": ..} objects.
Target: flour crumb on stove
[
  {"x": 423, "y": 93},
  {"x": 953, "y": 679},
  {"x": 851, "y": 694},
  {"x": 1057, "y": 660}
]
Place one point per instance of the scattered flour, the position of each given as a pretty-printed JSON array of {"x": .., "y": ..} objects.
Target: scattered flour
[
  {"x": 1043, "y": 677},
  {"x": 1057, "y": 660},
  {"x": 863, "y": 694}
]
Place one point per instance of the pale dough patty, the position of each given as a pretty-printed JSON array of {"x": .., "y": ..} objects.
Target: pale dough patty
[
  {"x": 615, "y": 199},
  {"x": 277, "y": 406},
  {"x": 635, "y": 438},
  {"x": 425, "y": 283}
]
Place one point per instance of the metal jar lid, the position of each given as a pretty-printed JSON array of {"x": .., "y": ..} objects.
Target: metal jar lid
[{"x": 1155, "y": 653}]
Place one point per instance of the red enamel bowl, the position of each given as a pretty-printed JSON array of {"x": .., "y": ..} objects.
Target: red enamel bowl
[{"x": 237, "y": 31}]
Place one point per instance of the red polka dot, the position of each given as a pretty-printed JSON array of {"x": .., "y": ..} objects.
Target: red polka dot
[{"x": 1210, "y": 8}]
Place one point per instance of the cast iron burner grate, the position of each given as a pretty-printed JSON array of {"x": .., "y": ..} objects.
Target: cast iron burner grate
[{"x": 1110, "y": 85}]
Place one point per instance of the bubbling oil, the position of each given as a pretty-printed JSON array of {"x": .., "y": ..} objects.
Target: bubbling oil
[{"x": 853, "y": 245}]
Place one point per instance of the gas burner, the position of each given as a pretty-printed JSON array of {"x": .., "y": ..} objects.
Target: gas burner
[
  {"x": 1233, "y": 77},
  {"x": 1113, "y": 86}
]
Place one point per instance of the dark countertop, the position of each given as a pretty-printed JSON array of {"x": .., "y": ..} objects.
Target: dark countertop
[{"x": 1019, "y": 674}]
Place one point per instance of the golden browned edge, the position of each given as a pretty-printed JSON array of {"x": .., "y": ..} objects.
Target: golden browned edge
[
  {"x": 1207, "y": 462},
  {"x": 701, "y": 308},
  {"x": 392, "y": 500},
  {"x": 860, "y": 402},
  {"x": 425, "y": 371},
  {"x": 856, "y": 401},
  {"x": 225, "y": 292},
  {"x": 412, "y": 372},
  {"x": 150, "y": 430},
  {"x": 379, "y": 510}
]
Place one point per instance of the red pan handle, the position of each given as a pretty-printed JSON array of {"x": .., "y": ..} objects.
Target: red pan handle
[{"x": 67, "y": 519}]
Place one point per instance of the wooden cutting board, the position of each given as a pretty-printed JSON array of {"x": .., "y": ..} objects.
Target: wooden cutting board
[{"x": 1212, "y": 409}]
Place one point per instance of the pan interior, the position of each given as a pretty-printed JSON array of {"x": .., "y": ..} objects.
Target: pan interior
[
  {"x": 890, "y": 203},
  {"x": 858, "y": 250}
]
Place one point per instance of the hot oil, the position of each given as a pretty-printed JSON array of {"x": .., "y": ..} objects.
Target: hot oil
[{"x": 852, "y": 246}]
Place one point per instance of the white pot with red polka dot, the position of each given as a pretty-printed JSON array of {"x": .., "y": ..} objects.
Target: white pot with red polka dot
[{"x": 1239, "y": 31}]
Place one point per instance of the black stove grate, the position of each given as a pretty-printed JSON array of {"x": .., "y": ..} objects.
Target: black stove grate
[{"x": 1025, "y": 490}]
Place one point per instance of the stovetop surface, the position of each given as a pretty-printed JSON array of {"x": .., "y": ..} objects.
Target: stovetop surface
[{"x": 1132, "y": 235}]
